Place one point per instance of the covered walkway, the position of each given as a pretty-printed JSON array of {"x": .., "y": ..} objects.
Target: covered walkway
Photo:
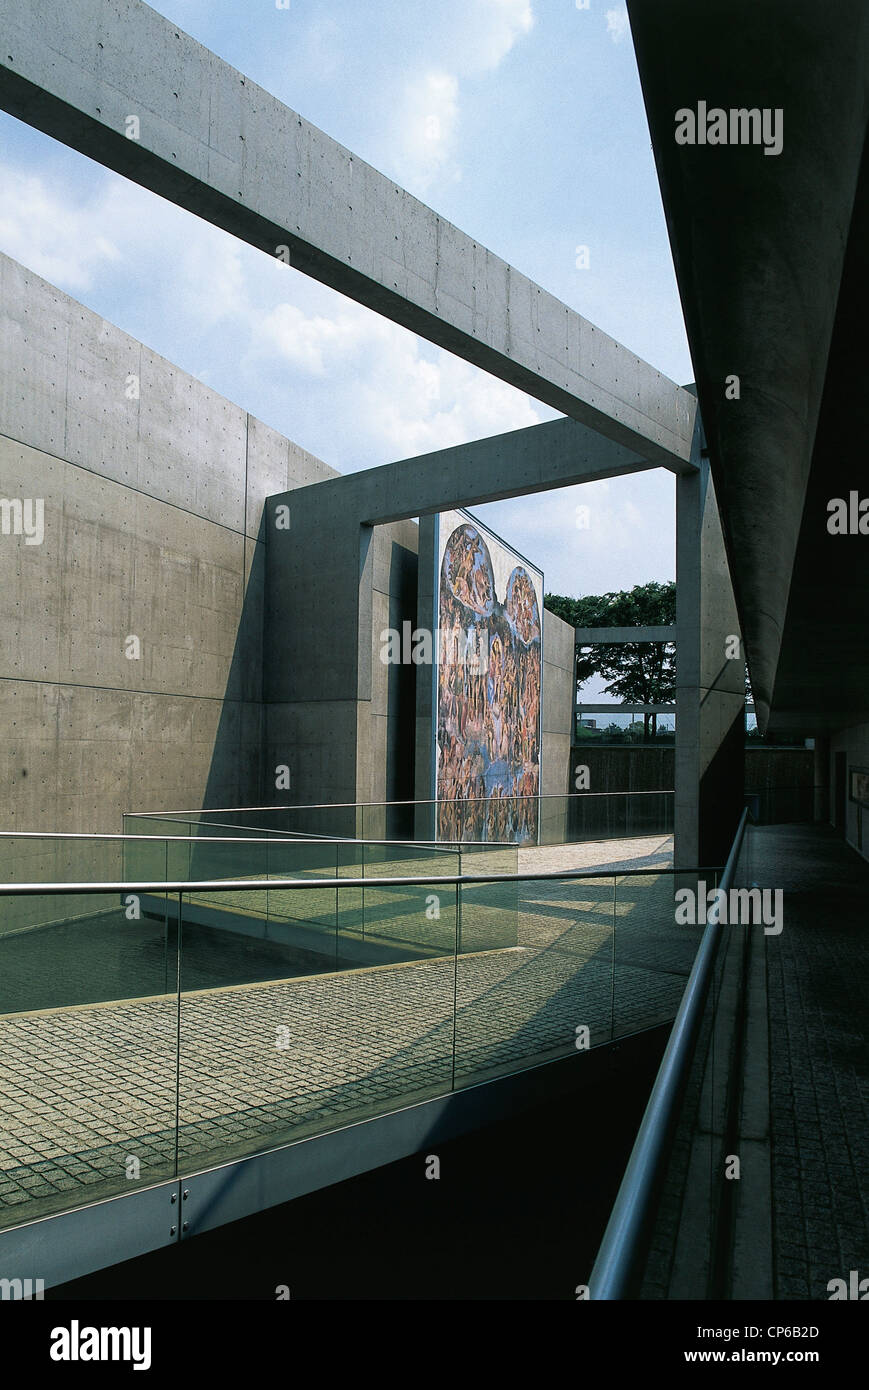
[{"x": 817, "y": 973}]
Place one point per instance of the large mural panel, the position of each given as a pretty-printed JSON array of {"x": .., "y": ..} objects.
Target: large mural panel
[{"x": 488, "y": 686}]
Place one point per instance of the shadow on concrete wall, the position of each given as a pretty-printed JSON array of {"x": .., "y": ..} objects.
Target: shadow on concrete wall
[{"x": 236, "y": 774}]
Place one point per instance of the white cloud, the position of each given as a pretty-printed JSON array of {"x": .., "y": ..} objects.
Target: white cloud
[
  {"x": 491, "y": 28},
  {"x": 476, "y": 37},
  {"x": 617, "y": 24},
  {"x": 63, "y": 243},
  {"x": 403, "y": 396},
  {"x": 315, "y": 344},
  {"x": 427, "y": 117},
  {"x": 362, "y": 389},
  {"x": 629, "y": 537},
  {"x": 88, "y": 234}
]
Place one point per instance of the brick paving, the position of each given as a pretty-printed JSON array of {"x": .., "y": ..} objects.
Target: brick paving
[
  {"x": 817, "y": 983},
  {"x": 88, "y": 1081}
]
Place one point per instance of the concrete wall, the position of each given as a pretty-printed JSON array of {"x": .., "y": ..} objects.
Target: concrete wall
[
  {"x": 559, "y": 692},
  {"x": 341, "y": 748},
  {"x": 152, "y": 528},
  {"x": 334, "y": 712},
  {"x": 854, "y": 743}
]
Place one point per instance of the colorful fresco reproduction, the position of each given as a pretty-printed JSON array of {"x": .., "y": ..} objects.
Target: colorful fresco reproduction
[{"x": 488, "y": 690}]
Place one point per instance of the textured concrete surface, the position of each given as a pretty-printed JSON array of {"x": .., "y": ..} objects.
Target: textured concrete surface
[
  {"x": 710, "y": 683},
  {"x": 761, "y": 294},
  {"x": 559, "y": 694},
  {"x": 153, "y": 527},
  {"x": 152, "y": 509},
  {"x": 217, "y": 144}
]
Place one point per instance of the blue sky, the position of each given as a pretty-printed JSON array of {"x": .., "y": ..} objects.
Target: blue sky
[{"x": 519, "y": 120}]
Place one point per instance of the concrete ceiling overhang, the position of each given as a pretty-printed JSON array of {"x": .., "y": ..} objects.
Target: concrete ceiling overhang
[
  {"x": 759, "y": 246},
  {"x": 822, "y": 681}
]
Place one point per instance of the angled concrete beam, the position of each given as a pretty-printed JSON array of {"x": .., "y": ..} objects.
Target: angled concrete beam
[
  {"x": 612, "y": 636},
  {"x": 215, "y": 143},
  {"x": 560, "y": 453}
]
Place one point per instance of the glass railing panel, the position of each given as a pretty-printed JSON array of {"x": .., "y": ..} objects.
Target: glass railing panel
[
  {"x": 88, "y": 1051},
  {"x": 278, "y": 1043},
  {"x": 53, "y": 859},
  {"x": 685, "y": 1255},
  {"x": 146, "y": 859},
  {"x": 693, "y": 1176},
  {"x": 655, "y": 945},
  {"x": 317, "y": 910},
  {"x": 622, "y": 815},
  {"x": 328, "y": 821},
  {"x": 239, "y": 909},
  {"x": 350, "y": 902},
  {"x": 409, "y": 915},
  {"x": 525, "y": 1003},
  {"x": 553, "y": 820},
  {"x": 158, "y": 847},
  {"x": 490, "y": 911},
  {"x": 425, "y": 822}
]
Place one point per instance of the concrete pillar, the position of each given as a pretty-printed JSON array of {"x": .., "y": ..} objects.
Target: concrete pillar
[
  {"x": 334, "y": 713},
  {"x": 710, "y": 684}
]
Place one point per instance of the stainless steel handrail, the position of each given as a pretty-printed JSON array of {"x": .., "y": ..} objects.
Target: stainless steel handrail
[
  {"x": 427, "y": 801},
  {"x": 254, "y": 885},
  {"x": 270, "y": 837},
  {"x": 192, "y": 839},
  {"x": 621, "y": 1244}
]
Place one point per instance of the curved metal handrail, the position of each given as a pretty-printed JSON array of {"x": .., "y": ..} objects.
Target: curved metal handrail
[
  {"x": 221, "y": 885},
  {"x": 616, "y": 1258}
]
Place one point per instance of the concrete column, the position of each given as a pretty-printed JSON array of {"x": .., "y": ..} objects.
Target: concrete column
[
  {"x": 710, "y": 687},
  {"x": 334, "y": 713}
]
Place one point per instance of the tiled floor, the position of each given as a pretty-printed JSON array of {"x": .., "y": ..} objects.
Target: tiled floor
[{"x": 818, "y": 984}]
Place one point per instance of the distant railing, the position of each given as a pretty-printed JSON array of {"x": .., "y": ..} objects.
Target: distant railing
[{"x": 551, "y": 819}]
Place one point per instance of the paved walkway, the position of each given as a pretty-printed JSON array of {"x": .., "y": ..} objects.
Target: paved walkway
[
  {"x": 818, "y": 985},
  {"x": 88, "y": 1089},
  {"x": 600, "y": 856}
]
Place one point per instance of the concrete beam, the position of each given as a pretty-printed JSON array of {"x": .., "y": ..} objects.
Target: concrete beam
[
  {"x": 215, "y": 143},
  {"x": 560, "y": 453},
  {"x": 328, "y": 527},
  {"x": 614, "y": 636}
]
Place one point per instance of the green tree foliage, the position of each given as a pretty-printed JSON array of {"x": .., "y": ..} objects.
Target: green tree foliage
[{"x": 642, "y": 673}]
